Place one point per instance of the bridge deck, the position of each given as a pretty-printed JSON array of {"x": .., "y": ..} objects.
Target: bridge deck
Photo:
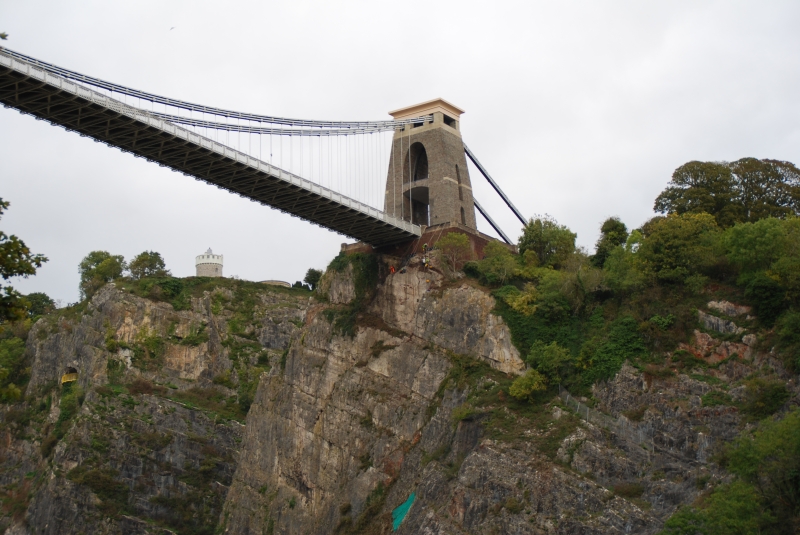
[{"x": 59, "y": 101}]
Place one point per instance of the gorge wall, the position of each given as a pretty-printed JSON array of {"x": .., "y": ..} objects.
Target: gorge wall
[{"x": 251, "y": 409}]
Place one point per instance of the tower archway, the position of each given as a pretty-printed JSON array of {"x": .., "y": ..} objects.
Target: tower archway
[{"x": 416, "y": 188}]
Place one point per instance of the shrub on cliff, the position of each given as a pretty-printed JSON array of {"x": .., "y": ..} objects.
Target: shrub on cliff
[
  {"x": 98, "y": 268},
  {"x": 765, "y": 496},
  {"x": 454, "y": 250}
]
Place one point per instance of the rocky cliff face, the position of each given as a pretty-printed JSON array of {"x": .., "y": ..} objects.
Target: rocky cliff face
[
  {"x": 340, "y": 430},
  {"x": 152, "y": 443}
]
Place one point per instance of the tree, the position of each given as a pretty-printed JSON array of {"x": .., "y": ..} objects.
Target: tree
[
  {"x": 526, "y": 386},
  {"x": 745, "y": 190},
  {"x": 98, "y": 268},
  {"x": 550, "y": 360},
  {"x": 39, "y": 304},
  {"x": 454, "y": 249},
  {"x": 312, "y": 278},
  {"x": 551, "y": 242},
  {"x": 766, "y": 188},
  {"x": 148, "y": 264},
  {"x": 698, "y": 187},
  {"x": 678, "y": 247},
  {"x": 613, "y": 233},
  {"x": 16, "y": 260},
  {"x": 498, "y": 264}
]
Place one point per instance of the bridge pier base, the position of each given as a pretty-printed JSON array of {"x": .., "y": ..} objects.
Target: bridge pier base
[{"x": 430, "y": 235}]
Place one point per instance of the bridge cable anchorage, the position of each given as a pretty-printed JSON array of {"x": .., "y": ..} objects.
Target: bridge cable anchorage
[
  {"x": 92, "y": 113},
  {"x": 153, "y": 98},
  {"x": 485, "y": 173},
  {"x": 494, "y": 225}
]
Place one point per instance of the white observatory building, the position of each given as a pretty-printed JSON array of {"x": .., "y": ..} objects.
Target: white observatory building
[{"x": 208, "y": 264}]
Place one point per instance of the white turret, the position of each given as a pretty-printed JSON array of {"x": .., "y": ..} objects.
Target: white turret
[{"x": 208, "y": 264}]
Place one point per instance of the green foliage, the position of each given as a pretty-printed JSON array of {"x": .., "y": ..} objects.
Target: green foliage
[
  {"x": 98, "y": 268},
  {"x": 115, "y": 369},
  {"x": 701, "y": 187},
  {"x": 551, "y": 242},
  {"x": 622, "y": 274},
  {"x": 767, "y": 255},
  {"x": 678, "y": 247},
  {"x": 601, "y": 359},
  {"x": 498, "y": 264},
  {"x": 12, "y": 368},
  {"x": 16, "y": 260},
  {"x": 148, "y": 351},
  {"x": 757, "y": 246},
  {"x": 743, "y": 191},
  {"x": 312, "y": 278},
  {"x": 769, "y": 459},
  {"x": 788, "y": 338},
  {"x": 528, "y": 385},
  {"x": 551, "y": 360},
  {"x": 551, "y": 321},
  {"x": 365, "y": 280},
  {"x": 763, "y": 397},
  {"x": 148, "y": 264},
  {"x": 39, "y": 304},
  {"x": 197, "y": 335},
  {"x": 113, "y": 494},
  {"x": 454, "y": 249},
  {"x": 72, "y": 396},
  {"x": 731, "y": 509},
  {"x": 613, "y": 234},
  {"x": 765, "y": 496},
  {"x": 663, "y": 322},
  {"x": 212, "y": 400},
  {"x": 716, "y": 398}
]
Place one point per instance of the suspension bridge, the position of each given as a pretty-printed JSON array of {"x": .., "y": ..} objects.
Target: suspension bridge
[{"x": 379, "y": 182}]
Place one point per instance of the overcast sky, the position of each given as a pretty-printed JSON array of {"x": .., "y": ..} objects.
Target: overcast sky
[{"x": 581, "y": 110}]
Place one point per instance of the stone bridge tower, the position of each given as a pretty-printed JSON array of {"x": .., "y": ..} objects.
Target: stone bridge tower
[{"x": 428, "y": 181}]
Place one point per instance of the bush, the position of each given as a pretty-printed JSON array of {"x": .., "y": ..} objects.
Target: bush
[
  {"x": 716, "y": 398},
  {"x": 552, "y": 361},
  {"x": 788, "y": 338},
  {"x": 763, "y": 498},
  {"x": 528, "y": 385},
  {"x": 764, "y": 397},
  {"x": 767, "y": 295},
  {"x": 602, "y": 359}
]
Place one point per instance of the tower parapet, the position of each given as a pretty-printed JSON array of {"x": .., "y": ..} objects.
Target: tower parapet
[
  {"x": 428, "y": 180},
  {"x": 208, "y": 264}
]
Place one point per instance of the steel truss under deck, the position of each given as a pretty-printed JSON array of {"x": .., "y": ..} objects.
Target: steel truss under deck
[{"x": 33, "y": 91}]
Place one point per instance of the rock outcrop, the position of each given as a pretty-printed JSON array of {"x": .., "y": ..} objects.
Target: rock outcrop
[{"x": 342, "y": 426}]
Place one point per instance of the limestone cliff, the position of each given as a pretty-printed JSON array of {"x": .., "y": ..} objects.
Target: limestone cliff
[{"x": 230, "y": 407}]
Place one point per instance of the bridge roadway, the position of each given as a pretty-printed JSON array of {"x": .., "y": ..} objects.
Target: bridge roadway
[{"x": 33, "y": 91}]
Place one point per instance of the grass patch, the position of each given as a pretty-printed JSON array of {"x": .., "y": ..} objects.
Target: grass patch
[{"x": 211, "y": 400}]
